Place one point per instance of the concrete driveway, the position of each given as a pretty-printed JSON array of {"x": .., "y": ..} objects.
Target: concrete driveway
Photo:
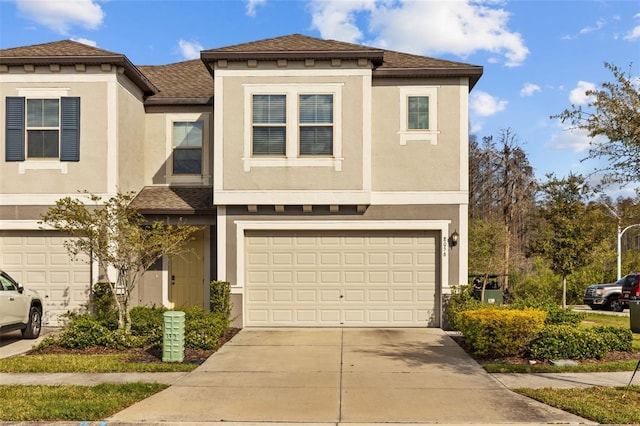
[{"x": 341, "y": 375}]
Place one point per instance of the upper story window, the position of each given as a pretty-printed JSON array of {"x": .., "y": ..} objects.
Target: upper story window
[
  {"x": 316, "y": 124},
  {"x": 43, "y": 128},
  {"x": 187, "y": 147},
  {"x": 269, "y": 124},
  {"x": 418, "y": 107},
  {"x": 418, "y": 114},
  {"x": 49, "y": 130},
  {"x": 292, "y": 125}
]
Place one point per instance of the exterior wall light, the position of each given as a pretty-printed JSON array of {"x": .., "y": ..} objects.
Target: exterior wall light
[{"x": 454, "y": 238}]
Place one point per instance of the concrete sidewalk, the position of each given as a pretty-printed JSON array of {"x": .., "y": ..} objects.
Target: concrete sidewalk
[{"x": 340, "y": 375}]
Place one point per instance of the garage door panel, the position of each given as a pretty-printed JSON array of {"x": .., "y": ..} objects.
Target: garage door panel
[
  {"x": 39, "y": 260},
  {"x": 334, "y": 278}
]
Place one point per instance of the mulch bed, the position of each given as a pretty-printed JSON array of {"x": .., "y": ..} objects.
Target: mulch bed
[{"x": 146, "y": 354}]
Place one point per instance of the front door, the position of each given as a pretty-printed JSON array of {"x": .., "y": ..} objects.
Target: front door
[{"x": 186, "y": 273}]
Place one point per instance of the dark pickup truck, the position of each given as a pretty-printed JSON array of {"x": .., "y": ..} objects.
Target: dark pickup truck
[{"x": 603, "y": 296}]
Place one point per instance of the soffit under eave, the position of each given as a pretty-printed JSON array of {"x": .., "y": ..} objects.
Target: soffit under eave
[
  {"x": 473, "y": 73},
  {"x": 130, "y": 70}
]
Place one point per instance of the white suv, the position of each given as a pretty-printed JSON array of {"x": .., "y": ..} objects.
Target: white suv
[{"x": 20, "y": 309}]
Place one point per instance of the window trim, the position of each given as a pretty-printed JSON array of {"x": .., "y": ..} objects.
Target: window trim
[
  {"x": 204, "y": 178},
  {"x": 423, "y": 135},
  {"x": 292, "y": 157}
]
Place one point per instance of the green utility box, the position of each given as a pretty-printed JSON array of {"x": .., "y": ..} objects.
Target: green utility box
[
  {"x": 173, "y": 337},
  {"x": 634, "y": 315},
  {"x": 493, "y": 297}
]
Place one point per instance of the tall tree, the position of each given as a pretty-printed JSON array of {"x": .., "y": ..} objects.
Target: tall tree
[
  {"x": 117, "y": 236},
  {"x": 613, "y": 112},
  {"x": 502, "y": 190},
  {"x": 565, "y": 234}
]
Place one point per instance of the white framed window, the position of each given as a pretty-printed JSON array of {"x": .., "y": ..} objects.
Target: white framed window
[
  {"x": 187, "y": 147},
  {"x": 316, "y": 124},
  {"x": 269, "y": 116},
  {"x": 43, "y": 128},
  {"x": 293, "y": 125},
  {"x": 418, "y": 114}
]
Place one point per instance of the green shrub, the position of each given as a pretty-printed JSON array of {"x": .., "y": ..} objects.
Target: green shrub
[
  {"x": 568, "y": 342},
  {"x": 557, "y": 316},
  {"x": 104, "y": 305},
  {"x": 147, "y": 323},
  {"x": 203, "y": 329},
  {"x": 82, "y": 331},
  {"x": 616, "y": 338},
  {"x": 220, "y": 298},
  {"x": 500, "y": 332},
  {"x": 461, "y": 300}
]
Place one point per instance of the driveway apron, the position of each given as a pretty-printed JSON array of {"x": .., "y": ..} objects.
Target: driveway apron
[{"x": 326, "y": 375}]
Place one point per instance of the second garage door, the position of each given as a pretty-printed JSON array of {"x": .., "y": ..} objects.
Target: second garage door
[
  {"x": 40, "y": 261},
  {"x": 341, "y": 278}
]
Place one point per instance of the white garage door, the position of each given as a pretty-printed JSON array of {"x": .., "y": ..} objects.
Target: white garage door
[
  {"x": 341, "y": 278},
  {"x": 39, "y": 260}
]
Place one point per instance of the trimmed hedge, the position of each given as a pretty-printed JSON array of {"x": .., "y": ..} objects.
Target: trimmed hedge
[
  {"x": 500, "y": 332},
  {"x": 568, "y": 342},
  {"x": 202, "y": 330}
]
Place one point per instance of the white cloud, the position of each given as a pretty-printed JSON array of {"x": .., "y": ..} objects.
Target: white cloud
[
  {"x": 578, "y": 96},
  {"x": 485, "y": 105},
  {"x": 529, "y": 89},
  {"x": 251, "y": 6},
  {"x": 85, "y": 41},
  {"x": 600, "y": 23},
  {"x": 61, "y": 15},
  {"x": 335, "y": 19},
  {"x": 634, "y": 34},
  {"x": 460, "y": 27},
  {"x": 576, "y": 140},
  {"x": 190, "y": 49}
]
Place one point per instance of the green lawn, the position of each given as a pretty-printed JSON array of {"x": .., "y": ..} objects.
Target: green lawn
[
  {"x": 72, "y": 363},
  {"x": 65, "y": 403},
  {"x": 606, "y": 405}
]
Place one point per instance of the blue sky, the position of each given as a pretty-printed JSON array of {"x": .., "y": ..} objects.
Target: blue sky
[{"x": 539, "y": 57}]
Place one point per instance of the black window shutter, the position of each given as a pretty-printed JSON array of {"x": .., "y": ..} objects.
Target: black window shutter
[
  {"x": 70, "y": 129},
  {"x": 14, "y": 147}
]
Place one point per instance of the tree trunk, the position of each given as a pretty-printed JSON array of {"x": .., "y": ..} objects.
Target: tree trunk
[{"x": 564, "y": 291}]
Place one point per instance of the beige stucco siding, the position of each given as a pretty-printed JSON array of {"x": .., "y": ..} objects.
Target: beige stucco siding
[
  {"x": 111, "y": 136},
  {"x": 130, "y": 139},
  {"x": 157, "y": 144},
  {"x": 420, "y": 165},
  {"x": 293, "y": 177}
]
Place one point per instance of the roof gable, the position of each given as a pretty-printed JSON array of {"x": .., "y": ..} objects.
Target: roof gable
[{"x": 69, "y": 52}]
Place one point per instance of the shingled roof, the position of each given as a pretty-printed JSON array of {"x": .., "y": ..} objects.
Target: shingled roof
[
  {"x": 69, "y": 52},
  {"x": 174, "y": 200},
  {"x": 386, "y": 63},
  {"x": 181, "y": 83},
  {"x": 294, "y": 46}
]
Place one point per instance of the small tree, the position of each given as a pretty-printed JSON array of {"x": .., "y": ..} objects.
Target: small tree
[
  {"x": 565, "y": 235},
  {"x": 117, "y": 236}
]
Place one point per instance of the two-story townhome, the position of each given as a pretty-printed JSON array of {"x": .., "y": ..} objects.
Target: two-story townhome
[{"x": 330, "y": 179}]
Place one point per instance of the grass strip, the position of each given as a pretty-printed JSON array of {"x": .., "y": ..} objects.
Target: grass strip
[
  {"x": 73, "y": 363},
  {"x": 604, "y": 367},
  {"x": 605, "y": 405},
  {"x": 64, "y": 403}
]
